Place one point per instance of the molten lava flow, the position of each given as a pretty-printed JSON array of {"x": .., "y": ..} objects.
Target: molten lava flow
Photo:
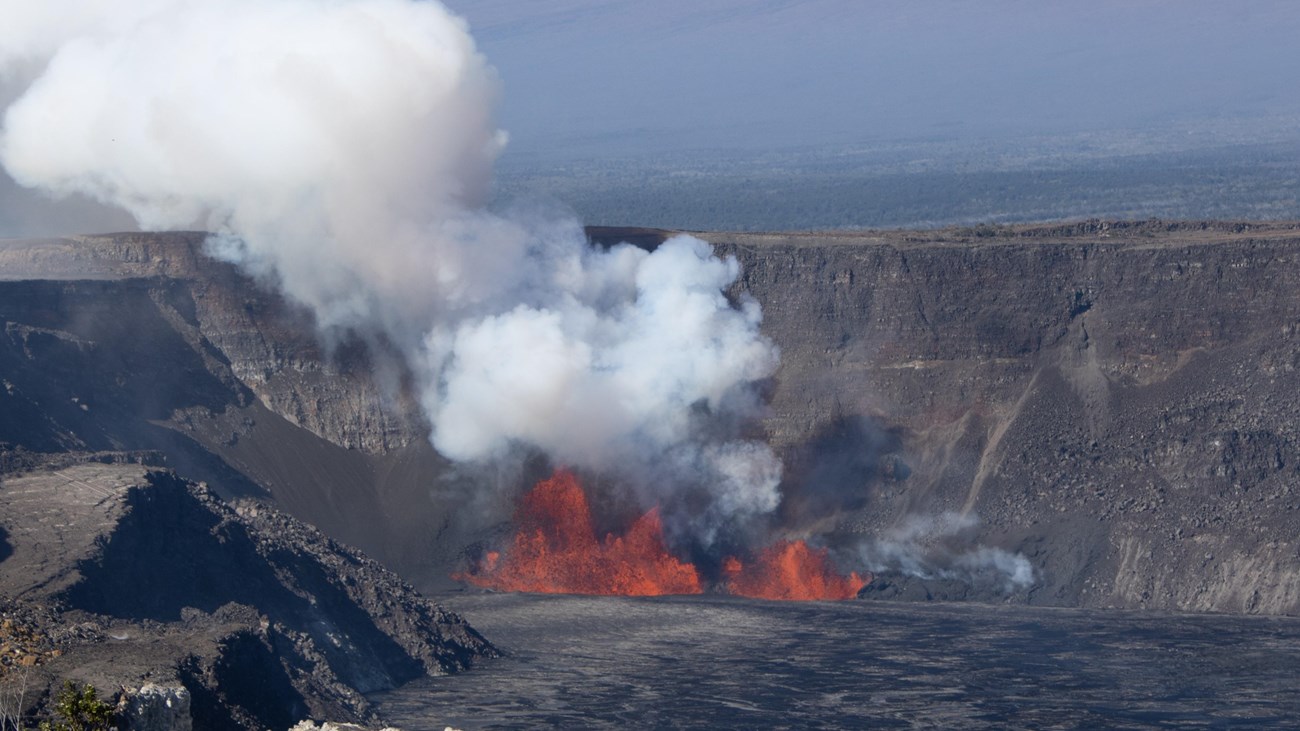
[
  {"x": 555, "y": 551},
  {"x": 792, "y": 571}
]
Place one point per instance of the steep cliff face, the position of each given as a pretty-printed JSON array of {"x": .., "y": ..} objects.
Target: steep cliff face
[
  {"x": 1117, "y": 404},
  {"x": 238, "y": 331},
  {"x": 1112, "y": 401},
  {"x": 135, "y": 341}
]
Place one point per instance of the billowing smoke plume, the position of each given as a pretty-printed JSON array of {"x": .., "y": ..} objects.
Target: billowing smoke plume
[{"x": 342, "y": 149}]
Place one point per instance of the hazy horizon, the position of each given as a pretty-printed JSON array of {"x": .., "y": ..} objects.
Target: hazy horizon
[{"x": 598, "y": 94}]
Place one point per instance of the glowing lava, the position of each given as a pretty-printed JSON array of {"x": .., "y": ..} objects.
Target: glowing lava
[
  {"x": 555, "y": 551},
  {"x": 790, "y": 571}
]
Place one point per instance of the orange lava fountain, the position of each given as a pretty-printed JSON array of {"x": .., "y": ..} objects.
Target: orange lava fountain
[
  {"x": 791, "y": 571},
  {"x": 555, "y": 551}
]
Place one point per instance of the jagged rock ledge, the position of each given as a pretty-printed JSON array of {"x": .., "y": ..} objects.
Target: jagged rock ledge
[{"x": 156, "y": 591}]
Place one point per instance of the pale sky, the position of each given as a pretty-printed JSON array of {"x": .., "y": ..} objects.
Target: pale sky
[{"x": 624, "y": 75}]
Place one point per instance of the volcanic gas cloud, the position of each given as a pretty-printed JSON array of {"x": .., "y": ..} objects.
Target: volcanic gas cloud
[
  {"x": 555, "y": 549},
  {"x": 341, "y": 151}
]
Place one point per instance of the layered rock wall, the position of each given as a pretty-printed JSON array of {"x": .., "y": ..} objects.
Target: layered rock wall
[
  {"x": 1114, "y": 402},
  {"x": 1118, "y": 405}
]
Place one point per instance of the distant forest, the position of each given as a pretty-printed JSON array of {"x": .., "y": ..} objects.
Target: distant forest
[{"x": 919, "y": 186}]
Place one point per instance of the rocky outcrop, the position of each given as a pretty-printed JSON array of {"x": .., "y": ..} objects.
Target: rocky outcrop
[
  {"x": 156, "y": 708},
  {"x": 239, "y": 617},
  {"x": 331, "y": 726}
]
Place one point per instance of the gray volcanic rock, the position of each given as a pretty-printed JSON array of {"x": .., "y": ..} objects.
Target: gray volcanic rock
[
  {"x": 1113, "y": 402},
  {"x": 245, "y": 337},
  {"x": 157, "y": 708},
  {"x": 139, "y": 342},
  {"x": 1116, "y": 402},
  {"x": 261, "y": 619}
]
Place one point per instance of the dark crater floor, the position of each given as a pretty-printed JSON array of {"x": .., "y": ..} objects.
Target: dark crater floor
[{"x": 725, "y": 663}]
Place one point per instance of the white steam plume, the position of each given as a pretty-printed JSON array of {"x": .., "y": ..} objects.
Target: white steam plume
[
  {"x": 342, "y": 148},
  {"x": 932, "y": 547}
]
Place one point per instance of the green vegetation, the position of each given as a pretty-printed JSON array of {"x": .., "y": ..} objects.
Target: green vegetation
[{"x": 80, "y": 710}]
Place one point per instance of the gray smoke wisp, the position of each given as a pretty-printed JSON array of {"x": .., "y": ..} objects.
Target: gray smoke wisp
[
  {"x": 342, "y": 149},
  {"x": 938, "y": 547}
]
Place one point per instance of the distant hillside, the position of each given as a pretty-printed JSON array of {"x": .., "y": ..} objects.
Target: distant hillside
[{"x": 922, "y": 184}]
